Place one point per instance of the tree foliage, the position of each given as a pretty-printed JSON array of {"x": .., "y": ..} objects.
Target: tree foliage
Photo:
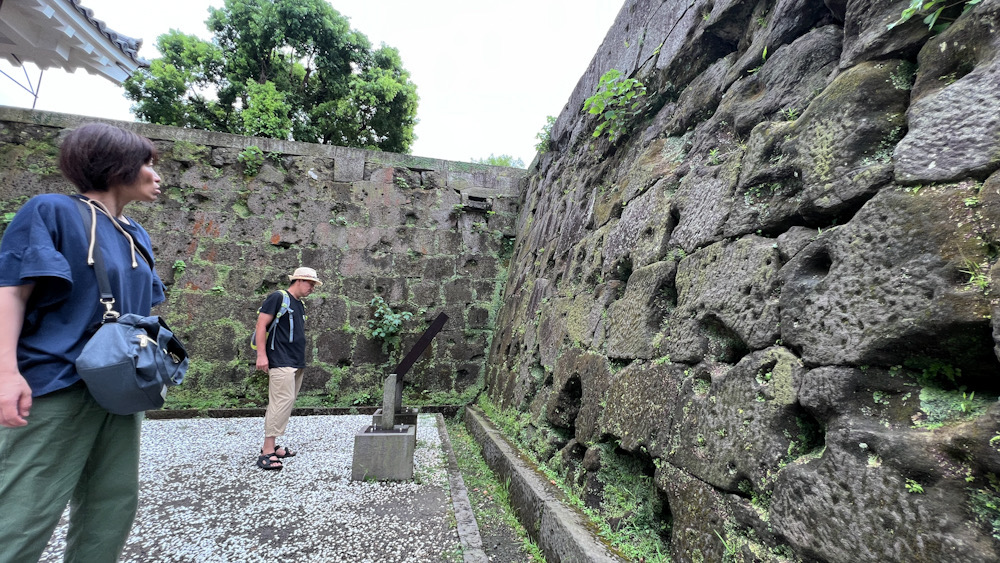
[
  {"x": 283, "y": 69},
  {"x": 502, "y": 160}
]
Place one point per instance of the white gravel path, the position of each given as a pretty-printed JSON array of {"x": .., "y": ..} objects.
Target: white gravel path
[{"x": 202, "y": 498}]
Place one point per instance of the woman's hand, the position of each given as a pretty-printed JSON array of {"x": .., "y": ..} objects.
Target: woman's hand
[
  {"x": 15, "y": 400},
  {"x": 15, "y": 394}
]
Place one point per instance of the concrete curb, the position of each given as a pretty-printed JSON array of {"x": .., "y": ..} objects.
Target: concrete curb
[
  {"x": 465, "y": 518},
  {"x": 560, "y": 531},
  {"x": 166, "y": 414}
]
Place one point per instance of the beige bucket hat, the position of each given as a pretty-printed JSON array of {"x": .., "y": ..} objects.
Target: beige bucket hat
[{"x": 305, "y": 274}]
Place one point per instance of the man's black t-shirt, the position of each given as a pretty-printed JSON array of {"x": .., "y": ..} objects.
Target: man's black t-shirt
[{"x": 286, "y": 354}]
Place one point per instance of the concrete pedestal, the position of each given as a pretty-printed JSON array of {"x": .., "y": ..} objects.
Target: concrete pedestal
[
  {"x": 406, "y": 415},
  {"x": 384, "y": 455}
]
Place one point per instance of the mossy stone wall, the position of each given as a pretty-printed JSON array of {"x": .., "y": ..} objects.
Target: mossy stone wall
[
  {"x": 426, "y": 235},
  {"x": 777, "y": 291}
]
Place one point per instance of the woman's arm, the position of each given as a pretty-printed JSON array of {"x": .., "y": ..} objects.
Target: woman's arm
[{"x": 15, "y": 395}]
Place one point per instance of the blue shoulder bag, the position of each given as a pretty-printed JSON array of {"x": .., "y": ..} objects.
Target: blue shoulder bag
[{"x": 131, "y": 360}]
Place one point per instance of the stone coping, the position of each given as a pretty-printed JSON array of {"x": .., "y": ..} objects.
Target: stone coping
[{"x": 167, "y": 414}]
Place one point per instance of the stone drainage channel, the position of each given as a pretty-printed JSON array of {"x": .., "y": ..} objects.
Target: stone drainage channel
[{"x": 203, "y": 499}]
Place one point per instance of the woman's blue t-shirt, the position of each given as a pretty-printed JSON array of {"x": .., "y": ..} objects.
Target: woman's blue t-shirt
[{"x": 46, "y": 244}]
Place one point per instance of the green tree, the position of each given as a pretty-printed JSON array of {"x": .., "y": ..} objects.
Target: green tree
[
  {"x": 544, "y": 136},
  {"x": 283, "y": 69},
  {"x": 266, "y": 114},
  {"x": 502, "y": 160}
]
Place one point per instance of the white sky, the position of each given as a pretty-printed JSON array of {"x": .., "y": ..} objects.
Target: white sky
[{"x": 487, "y": 73}]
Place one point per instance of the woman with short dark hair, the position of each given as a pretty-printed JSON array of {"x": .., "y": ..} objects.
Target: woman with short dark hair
[{"x": 57, "y": 445}]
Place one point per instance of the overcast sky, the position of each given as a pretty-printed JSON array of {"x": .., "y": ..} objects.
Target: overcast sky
[{"x": 487, "y": 73}]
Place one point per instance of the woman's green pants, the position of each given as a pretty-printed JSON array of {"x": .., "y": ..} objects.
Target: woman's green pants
[{"x": 73, "y": 452}]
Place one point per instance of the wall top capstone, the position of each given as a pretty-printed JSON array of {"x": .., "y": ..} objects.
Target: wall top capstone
[{"x": 350, "y": 162}]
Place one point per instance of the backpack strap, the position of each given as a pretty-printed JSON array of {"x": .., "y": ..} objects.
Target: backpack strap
[{"x": 286, "y": 306}]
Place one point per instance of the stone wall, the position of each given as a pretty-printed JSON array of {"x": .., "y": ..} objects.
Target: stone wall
[
  {"x": 427, "y": 235},
  {"x": 778, "y": 290}
]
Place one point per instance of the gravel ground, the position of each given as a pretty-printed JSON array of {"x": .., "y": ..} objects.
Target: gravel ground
[{"x": 203, "y": 499}]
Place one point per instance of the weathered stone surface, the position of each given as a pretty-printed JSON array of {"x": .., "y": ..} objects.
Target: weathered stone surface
[
  {"x": 888, "y": 285},
  {"x": 703, "y": 204},
  {"x": 954, "y": 120},
  {"x": 698, "y": 510},
  {"x": 742, "y": 423},
  {"x": 634, "y": 319},
  {"x": 834, "y": 156},
  {"x": 697, "y": 102},
  {"x": 773, "y": 28},
  {"x": 727, "y": 302},
  {"x": 591, "y": 371},
  {"x": 639, "y": 407},
  {"x": 820, "y": 305},
  {"x": 787, "y": 81},
  {"x": 881, "y": 514},
  {"x": 640, "y": 235},
  {"x": 551, "y": 333},
  {"x": 866, "y": 33}
]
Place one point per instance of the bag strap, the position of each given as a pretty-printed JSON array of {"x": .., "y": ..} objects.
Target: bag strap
[{"x": 107, "y": 297}]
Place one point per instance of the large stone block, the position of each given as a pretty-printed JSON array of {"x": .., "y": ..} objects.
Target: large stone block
[
  {"x": 954, "y": 120},
  {"x": 835, "y": 155},
  {"x": 888, "y": 286},
  {"x": 634, "y": 320},
  {"x": 726, "y": 302},
  {"x": 641, "y": 234}
]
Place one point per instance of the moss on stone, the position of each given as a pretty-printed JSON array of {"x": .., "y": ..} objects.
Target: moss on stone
[
  {"x": 186, "y": 151},
  {"x": 821, "y": 150},
  {"x": 782, "y": 382}
]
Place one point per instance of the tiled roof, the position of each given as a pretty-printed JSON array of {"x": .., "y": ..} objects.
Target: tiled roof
[
  {"x": 65, "y": 34},
  {"x": 128, "y": 45}
]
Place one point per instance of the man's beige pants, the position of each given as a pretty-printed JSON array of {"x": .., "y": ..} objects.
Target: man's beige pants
[{"x": 283, "y": 387}]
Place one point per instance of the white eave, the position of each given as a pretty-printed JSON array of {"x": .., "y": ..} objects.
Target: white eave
[{"x": 64, "y": 34}]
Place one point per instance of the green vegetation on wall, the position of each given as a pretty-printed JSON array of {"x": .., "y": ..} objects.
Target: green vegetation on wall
[
  {"x": 630, "y": 515},
  {"x": 933, "y": 11},
  {"x": 615, "y": 102}
]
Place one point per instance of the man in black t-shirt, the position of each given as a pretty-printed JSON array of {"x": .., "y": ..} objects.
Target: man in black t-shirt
[{"x": 280, "y": 335}]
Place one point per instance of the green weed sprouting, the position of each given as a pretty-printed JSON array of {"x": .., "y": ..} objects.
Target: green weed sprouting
[
  {"x": 252, "y": 158},
  {"x": 914, "y": 487},
  {"x": 967, "y": 402},
  {"x": 615, "y": 101},
  {"x": 385, "y": 323},
  {"x": 790, "y": 114},
  {"x": 985, "y": 504},
  {"x": 931, "y": 10},
  {"x": 978, "y": 277}
]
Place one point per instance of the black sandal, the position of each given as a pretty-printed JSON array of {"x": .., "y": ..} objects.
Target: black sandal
[
  {"x": 265, "y": 462},
  {"x": 288, "y": 451}
]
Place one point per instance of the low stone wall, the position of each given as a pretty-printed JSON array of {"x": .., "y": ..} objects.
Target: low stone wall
[{"x": 427, "y": 235}]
